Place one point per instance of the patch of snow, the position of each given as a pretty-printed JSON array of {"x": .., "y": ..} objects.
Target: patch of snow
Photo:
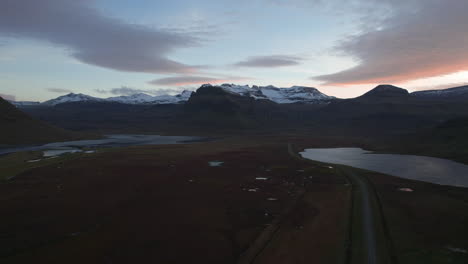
[
  {"x": 272, "y": 199},
  {"x": 36, "y": 160},
  {"x": 236, "y": 89},
  {"x": 140, "y": 98},
  {"x": 261, "y": 179},
  {"x": 72, "y": 98},
  {"x": 290, "y": 95}
]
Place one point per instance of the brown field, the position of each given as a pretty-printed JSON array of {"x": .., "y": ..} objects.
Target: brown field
[
  {"x": 428, "y": 225},
  {"x": 165, "y": 204}
]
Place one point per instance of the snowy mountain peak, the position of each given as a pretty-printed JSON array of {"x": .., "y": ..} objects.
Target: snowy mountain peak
[
  {"x": 142, "y": 98},
  {"x": 132, "y": 99},
  {"x": 185, "y": 94},
  {"x": 139, "y": 98},
  {"x": 72, "y": 97},
  {"x": 294, "y": 94}
]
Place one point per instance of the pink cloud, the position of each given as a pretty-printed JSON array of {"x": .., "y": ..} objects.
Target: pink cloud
[
  {"x": 429, "y": 41},
  {"x": 195, "y": 80},
  {"x": 270, "y": 61}
]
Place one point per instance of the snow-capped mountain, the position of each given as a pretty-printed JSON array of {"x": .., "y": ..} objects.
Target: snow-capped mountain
[
  {"x": 71, "y": 97},
  {"x": 142, "y": 98},
  {"x": 295, "y": 94},
  {"x": 139, "y": 98},
  {"x": 184, "y": 96},
  {"x": 452, "y": 93}
]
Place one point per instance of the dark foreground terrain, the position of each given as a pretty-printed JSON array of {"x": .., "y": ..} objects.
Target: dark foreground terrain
[
  {"x": 165, "y": 204},
  {"x": 264, "y": 204}
]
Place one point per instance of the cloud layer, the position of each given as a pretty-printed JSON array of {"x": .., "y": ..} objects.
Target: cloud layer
[
  {"x": 59, "y": 90},
  {"x": 195, "y": 80},
  {"x": 93, "y": 38},
  {"x": 125, "y": 90},
  {"x": 427, "y": 40},
  {"x": 271, "y": 61}
]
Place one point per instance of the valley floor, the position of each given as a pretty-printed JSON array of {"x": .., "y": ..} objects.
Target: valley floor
[{"x": 262, "y": 204}]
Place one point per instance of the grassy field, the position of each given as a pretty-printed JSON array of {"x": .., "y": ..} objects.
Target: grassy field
[
  {"x": 428, "y": 225},
  {"x": 166, "y": 204},
  {"x": 315, "y": 231},
  {"x": 14, "y": 164}
]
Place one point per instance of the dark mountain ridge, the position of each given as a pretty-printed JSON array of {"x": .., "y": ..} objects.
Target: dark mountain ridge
[
  {"x": 386, "y": 90},
  {"x": 456, "y": 93},
  {"x": 20, "y": 128},
  {"x": 384, "y": 110}
]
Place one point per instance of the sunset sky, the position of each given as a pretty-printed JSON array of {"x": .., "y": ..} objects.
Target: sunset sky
[{"x": 118, "y": 47}]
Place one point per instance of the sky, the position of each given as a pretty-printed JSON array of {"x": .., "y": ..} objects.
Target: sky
[{"x": 344, "y": 48}]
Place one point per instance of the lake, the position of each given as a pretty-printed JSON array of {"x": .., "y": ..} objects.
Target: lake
[
  {"x": 109, "y": 141},
  {"x": 421, "y": 168}
]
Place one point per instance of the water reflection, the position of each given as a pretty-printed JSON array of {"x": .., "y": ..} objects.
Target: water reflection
[
  {"x": 59, "y": 148},
  {"x": 58, "y": 152},
  {"x": 428, "y": 169}
]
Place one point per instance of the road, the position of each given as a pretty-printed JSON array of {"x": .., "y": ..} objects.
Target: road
[
  {"x": 362, "y": 251},
  {"x": 368, "y": 221},
  {"x": 361, "y": 187}
]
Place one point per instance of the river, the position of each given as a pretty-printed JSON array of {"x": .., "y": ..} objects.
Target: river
[{"x": 109, "y": 141}]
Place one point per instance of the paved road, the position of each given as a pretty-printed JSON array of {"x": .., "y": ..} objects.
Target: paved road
[{"x": 368, "y": 221}]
